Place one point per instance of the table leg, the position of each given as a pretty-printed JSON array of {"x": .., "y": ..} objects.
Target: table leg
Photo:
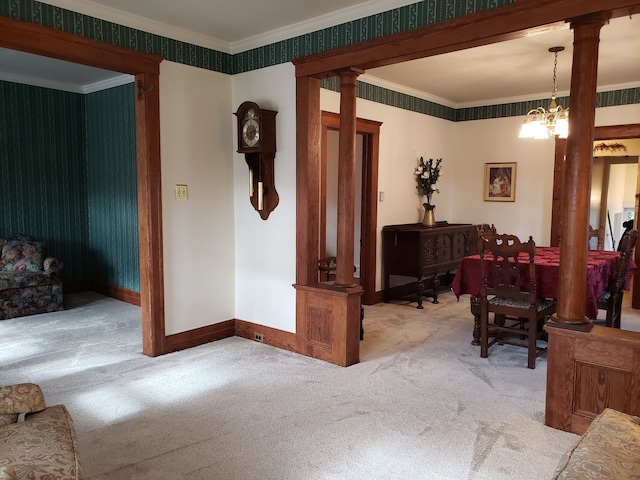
[
  {"x": 436, "y": 286},
  {"x": 420, "y": 291},
  {"x": 475, "y": 311}
]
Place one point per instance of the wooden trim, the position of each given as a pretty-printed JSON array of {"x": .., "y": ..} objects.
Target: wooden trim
[
  {"x": 150, "y": 213},
  {"x": 41, "y": 40},
  {"x": 307, "y": 180},
  {"x": 119, "y": 293},
  {"x": 270, "y": 336},
  {"x": 32, "y": 38},
  {"x": 199, "y": 336},
  {"x": 377, "y": 297},
  {"x": 76, "y": 286},
  {"x": 508, "y": 22},
  {"x": 369, "y": 230},
  {"x": 322, "y": 225},
  {"x": 370, "y": 129}
]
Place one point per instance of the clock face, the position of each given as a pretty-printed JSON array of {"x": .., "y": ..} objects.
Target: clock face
[{"x": 250, "y": 131}]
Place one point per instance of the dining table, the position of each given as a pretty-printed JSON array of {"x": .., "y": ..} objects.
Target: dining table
[{"x": 601, "y": 267}]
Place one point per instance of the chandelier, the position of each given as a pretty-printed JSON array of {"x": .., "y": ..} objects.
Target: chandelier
[{"x": 540, "y": 123}]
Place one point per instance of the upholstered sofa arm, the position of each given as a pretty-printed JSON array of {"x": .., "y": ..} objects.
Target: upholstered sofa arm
[
  {"x": 608, "y": 450},
  {"x": 52, "y": 265},
  {"x": 21, "y": 398}
]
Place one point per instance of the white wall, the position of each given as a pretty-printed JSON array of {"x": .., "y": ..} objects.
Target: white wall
[
  {"x": 265, "y": 263},
  {"x": 495, "y": 141},
  {"x": 248, "y": 267},
  {"x": 198, "y": 233}
]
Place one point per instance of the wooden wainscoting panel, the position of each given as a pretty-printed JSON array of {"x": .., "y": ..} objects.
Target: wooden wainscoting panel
[
  {"x": 328, "y": 323},
  {"x": 606, "y": 354},
  {"x": 199, "y": 336},
  {"x": 588, "y": 372},
  {"x": 560, "y": 380},
  {"x": 598, "y": 387},
  {"x": 319, "y": 322},
  {"x": 270, "y": 336}
]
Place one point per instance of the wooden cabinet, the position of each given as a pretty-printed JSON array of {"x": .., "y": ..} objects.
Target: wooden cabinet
[{"x": 427, "y": 254}]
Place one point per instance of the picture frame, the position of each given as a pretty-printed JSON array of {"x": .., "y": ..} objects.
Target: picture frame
[{"x": 500, "y": 182}]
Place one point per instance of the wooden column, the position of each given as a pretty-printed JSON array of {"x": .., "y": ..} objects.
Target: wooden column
[
  {"x": 346, "y": 177},
  {"x": 307, "y": 179},
  {"x": 577, "y": 176}
]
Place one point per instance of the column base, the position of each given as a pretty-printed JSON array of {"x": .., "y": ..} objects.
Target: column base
[{"x": 580, "y": 325}]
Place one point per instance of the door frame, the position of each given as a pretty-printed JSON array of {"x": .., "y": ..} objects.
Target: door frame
[
  {"x": 39, "y": 40},
  {"x": 607, "y": 161},
  {"x": 609, "y": 132},
  {"x": 370, "y": 130}
]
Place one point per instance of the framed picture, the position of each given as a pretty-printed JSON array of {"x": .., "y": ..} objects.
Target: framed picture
[{"x": 500, "y": 182}]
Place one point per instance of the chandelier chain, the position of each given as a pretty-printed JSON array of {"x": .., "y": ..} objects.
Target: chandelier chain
[{"x": 555, "y": 69}]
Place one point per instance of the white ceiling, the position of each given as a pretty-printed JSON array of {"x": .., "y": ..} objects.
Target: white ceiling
[{"x": 508, "y": 71}]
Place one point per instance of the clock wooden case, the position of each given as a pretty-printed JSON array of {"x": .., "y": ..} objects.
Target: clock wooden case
[{"x": 257, "y": 140}]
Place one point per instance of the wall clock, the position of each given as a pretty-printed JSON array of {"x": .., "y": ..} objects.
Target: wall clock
[{"x": 256, "y": 132}]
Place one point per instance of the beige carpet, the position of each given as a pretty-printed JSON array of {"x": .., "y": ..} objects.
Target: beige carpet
[{"x": 422, "y": 404}]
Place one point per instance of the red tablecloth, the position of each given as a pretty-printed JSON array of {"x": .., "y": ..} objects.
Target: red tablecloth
[{"x": 600, "y": 269}]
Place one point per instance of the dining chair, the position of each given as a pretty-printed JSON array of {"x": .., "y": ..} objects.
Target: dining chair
[
  {"x": 508, "y": 290},
  {"x": 611, "y": 300},
  {"x": 598, "y": 234},
  {"x": 485, "y": 228}
]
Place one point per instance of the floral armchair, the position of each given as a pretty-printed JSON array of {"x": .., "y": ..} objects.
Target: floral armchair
[
  {"x": 36, "y": 441},
  {"x": 29, "y": 282}
]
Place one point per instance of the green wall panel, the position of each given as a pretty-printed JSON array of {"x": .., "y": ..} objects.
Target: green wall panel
[
  {"x": 112, "y": 187},
  {"x": 43, "y": 171}
]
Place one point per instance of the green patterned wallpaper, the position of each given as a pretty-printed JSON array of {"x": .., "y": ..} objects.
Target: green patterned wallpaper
[
  {"x": 397, "y": 20},
  {"x": 42, "y": 166},
  {"x": 68, "y": 165},
  {"x": 112, "y": 187}
]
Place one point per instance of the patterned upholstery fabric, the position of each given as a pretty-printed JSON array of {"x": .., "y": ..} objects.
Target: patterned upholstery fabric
[
  {"x": 29, "y": 284},
  {"x": 541, "y": 303},
  {"x": 609, "y": 449},
  {"x": 22, "y": 254},
  {"x": 44, "y": 445},
  {"x": 21, "y": 398}
]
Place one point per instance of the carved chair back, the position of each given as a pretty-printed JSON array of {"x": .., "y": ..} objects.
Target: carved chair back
[{"x": 500, "y": 267}]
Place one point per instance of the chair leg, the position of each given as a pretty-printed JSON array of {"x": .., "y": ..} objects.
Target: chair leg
[
  {"x": 617, "y": 313},
  {"x": 531, "y": 343},
  {"x": 484, "y": 333},
  {"x": 611, "y": 305}
]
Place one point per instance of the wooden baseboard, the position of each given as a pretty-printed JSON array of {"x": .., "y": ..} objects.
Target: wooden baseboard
[
  {"x": 376, "y": 298},
  {"x": 118, "y": 293},
  {"x": 199, "y": 336},
  {"x": 270, "y": 336},
  {"x": 76, "y": 286}
]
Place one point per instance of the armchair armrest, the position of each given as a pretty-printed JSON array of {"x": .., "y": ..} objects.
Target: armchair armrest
[
  {"x": 21, "y": 398},
  {"x": 52, "y": 265}
]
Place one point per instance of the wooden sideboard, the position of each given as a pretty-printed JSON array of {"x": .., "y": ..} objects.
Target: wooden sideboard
[{"x": 426, "y": 254}]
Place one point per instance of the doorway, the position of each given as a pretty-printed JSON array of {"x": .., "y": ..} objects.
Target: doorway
[
  {"x": 614, "y": 188},
  {"x": 606, "y": 133},
  {"x": 368, "y": 133},
  {"x": 39, "y": 40}
]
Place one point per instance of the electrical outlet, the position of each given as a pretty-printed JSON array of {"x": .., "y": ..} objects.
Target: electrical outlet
[
  {"x": 257, "y": 337},
  {"x": 182, "y": 192}
]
